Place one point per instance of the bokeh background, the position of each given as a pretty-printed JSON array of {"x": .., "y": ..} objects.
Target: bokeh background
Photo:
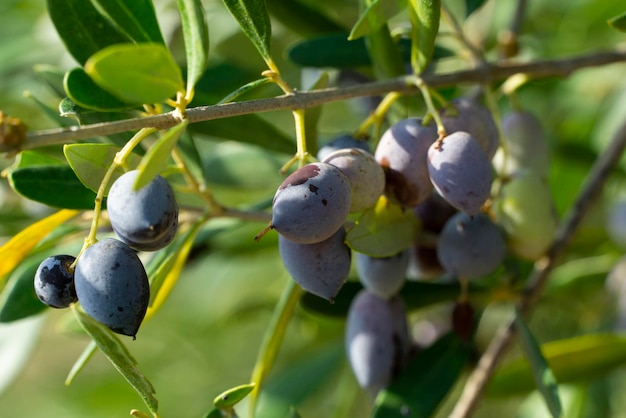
[{"x": 206, "y": 337}]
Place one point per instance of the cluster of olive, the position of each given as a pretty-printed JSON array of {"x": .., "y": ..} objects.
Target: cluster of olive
[
  {"x": 109, "y": 280},
  {"x": 447, "y": 182}
]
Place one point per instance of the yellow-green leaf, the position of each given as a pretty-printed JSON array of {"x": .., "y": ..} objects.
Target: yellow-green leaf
[
  {"x": 136, "y": 73},
  {"x": 384, "y": 230},
  {"x": 155, "y": 160},
  {"x": 17, "y": 248}
]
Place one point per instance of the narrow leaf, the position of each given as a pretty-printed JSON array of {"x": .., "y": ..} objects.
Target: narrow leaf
[
  {"x": 254, "y": 20},
  {"x": 82, "y": 90},
  {"x": 196, "y": 36},
  {"x": 137, "y": 18},
  {"x": 312, "y": 115},
  {"x": 472, "y": 5},
  {"x": 233, "y": 396},
  {"x": 81, "y": 362},
  {"x": 119, "y": 356},
  {"x": 384, "y": 52},
  {"x": 618, "y": 22},
  {"x": 375, "y": 16},
  {"x": 571, "y": 360},
  {"x": 83, "y": 30},
  {"x": 18, "y": 300},
  {"x": 91, "y": 161},
  {"x": 424, "y": 16},
  {"x": 54, "y": 185},
  {"x": 155, "y": 160},
  {"x": 169, "y": 268},
  {"x": 52, "y": 76},
  {"x": 383, "y": 230},
  {"x": 15, "y": 250},
  {"x": 302, "y": 18},
  {"x": 136, "y": 73},
  {"x": 544, "y": 378},
  {"x": 420, "y": 388}
]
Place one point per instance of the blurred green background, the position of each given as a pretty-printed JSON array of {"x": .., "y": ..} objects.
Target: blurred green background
[{"x": 206, "y": 337}]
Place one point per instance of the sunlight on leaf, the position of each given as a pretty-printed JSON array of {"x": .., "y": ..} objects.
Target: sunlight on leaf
[
  {"x": 13, "y": 252},
  {"x": 254, "y": 20},
  {"x": 155, "y": 160},
  {"x": 375, "y": 16},
  {"x": 383, "y": 230},
  {"x": 231, "y": 397},
  {"x": 136, "y": 73},
  {"x": 424, "y": 15},
  {"x": 91, "y": 161}
]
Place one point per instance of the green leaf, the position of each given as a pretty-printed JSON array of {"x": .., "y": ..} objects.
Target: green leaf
[
  {"x": 52, "y": 76},
  {"x": 119, "y": 356},
  {"x": 137, "y": 18},
  {"x": 83, "y": 30},
  {"x": 544, "y": 378},
  {"x": 424, "y": 16},
  {"x": 383, "y": 230},
  {"x": 81, "y": 362},
  {"x": 472, "y": 5},
  {"x": 233, "y": 396},
  {"x": 254, "y": 20},
  {"x": 82, "y": 90},
  {"x": 302, "y": 18},
  {"x": 20, "y": 245},
  {"x": 384, "y": 52},
  {"x": 240, "y": 128},
  {"x": 572, "y": 360},
  {"x": 136, "y": 73},
  {"x": 420, "y": 388},
  {"x": 155, "y": 160},
  {"x": 18, "y": 299},
  {"x": 91, "y": 161},
  {"x": 338, "y": 52},
  {"x": 416, "y": 295},
  {"x": 312, "y": 115},
  {"x": 215, "y": 413},
  {"x": 618, "y": 22},
  {"x": 375, "y": 16},
  {"x": 196, "y": 36},
  {"x": 52, "y": 185}
]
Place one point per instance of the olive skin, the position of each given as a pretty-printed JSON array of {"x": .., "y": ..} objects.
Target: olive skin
[
  {"x": 112, "y": 286},
  {"x": 54, "y": 281},
  {"x": 312, "y": 203},
  {"x": 145, "y": 219}
]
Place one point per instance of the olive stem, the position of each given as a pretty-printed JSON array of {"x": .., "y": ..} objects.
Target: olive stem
[
  {"x": 377, "y": 116},
  {"x": 432, "y": 110},
  {"x": 118, "y": 161},
  {"x": 484, "y": 75}
]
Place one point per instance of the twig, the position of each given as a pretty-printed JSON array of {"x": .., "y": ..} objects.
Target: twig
[
  {"x": 301, "y": 100},
  {"x": 598, "y": 175}
]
